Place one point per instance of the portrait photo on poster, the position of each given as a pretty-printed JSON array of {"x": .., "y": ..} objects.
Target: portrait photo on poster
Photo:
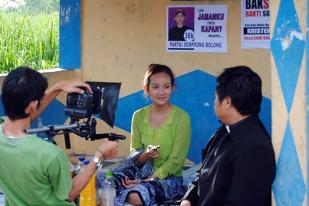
[
  {"x": 181, "y": 23},
  {"x": 196, "y": 28}
]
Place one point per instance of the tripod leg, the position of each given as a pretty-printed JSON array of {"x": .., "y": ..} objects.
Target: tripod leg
[{"x": 67, "y": 141}]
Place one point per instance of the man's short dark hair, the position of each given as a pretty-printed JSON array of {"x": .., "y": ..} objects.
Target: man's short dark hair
[
  {"x": 180, "y": 11},
  {"x": 22, "y": 86},
  {"x": 243, "y": 86}
]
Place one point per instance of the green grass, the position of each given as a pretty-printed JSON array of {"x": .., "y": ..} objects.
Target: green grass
[{"x": 31, "y": 40}]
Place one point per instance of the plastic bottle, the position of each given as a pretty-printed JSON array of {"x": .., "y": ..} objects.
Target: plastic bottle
[
  {"x": 80, "y": 165},
  {"x": 43, "y": 135},
  {"x": 2, "y": 198},
  {"x": 88, "y": 195},
  {"x": 108, "y": 192}
]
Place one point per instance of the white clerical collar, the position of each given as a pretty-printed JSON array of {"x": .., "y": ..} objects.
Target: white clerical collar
[{"x": 228, "y": 128}]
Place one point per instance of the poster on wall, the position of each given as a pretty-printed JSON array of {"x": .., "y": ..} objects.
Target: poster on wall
[
  {"x": 255, "y": 24},
  {"x": 196, "y": 28}
]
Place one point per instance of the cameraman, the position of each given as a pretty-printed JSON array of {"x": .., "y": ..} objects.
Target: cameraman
[{"x": 32, "y": 171}]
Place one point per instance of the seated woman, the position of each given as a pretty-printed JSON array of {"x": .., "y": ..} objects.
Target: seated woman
[{"x": 160, "y": 142}]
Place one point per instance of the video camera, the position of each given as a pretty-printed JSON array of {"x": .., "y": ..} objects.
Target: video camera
[{"x": 81, "y": 109}]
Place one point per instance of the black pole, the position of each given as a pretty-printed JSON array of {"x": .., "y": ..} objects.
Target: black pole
[{"x": 67, "y": 140}]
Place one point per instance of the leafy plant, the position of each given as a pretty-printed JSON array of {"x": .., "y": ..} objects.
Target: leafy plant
[{"x": 28, "y": 39}]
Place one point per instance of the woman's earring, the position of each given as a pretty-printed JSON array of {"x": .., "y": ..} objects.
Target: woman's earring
[{"x": 147, "y": 99}]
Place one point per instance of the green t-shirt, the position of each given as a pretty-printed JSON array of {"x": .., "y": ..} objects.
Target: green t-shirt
[
  {"x": 173, "y": 137},
  {"x": 33, "y": 172}
]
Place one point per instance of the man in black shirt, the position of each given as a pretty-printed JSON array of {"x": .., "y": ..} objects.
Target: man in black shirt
[
  {"x": 176, "y": 33},
  {"x": 238, "y": 162}
]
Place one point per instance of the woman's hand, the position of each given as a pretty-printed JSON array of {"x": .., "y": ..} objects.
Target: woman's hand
[
  {"x": 127, "y": 183},
  {"x": 185, "y": 203},
  {"x": 149, "y": 179},
  {"x": 150, "y": 153}
]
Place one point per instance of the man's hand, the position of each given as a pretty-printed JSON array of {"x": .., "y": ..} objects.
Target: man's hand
[
  {"x": 107, "y": 150},
  {"x": 70, "y": 86},
  {"x": 185, "y": 203}
]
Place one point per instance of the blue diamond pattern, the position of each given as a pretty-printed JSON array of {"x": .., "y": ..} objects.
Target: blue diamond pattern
[
  {"x": 288, "y": 60},
  {"x": 195, "y": 94},
  {"x": 289, "y": 186},
  {"x": 307, "y": 102},
  {"x": 127, "y": 106},
  {"x": 53, "y": 114}
]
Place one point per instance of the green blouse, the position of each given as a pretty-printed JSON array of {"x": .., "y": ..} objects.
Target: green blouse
[{"x": 173, "y": 137}]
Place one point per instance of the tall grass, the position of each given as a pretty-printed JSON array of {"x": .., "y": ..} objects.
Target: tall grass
[{"x": 30, "y": 40}]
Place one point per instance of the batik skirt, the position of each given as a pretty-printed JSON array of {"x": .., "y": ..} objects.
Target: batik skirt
[{"x": 153, "y": 192}]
